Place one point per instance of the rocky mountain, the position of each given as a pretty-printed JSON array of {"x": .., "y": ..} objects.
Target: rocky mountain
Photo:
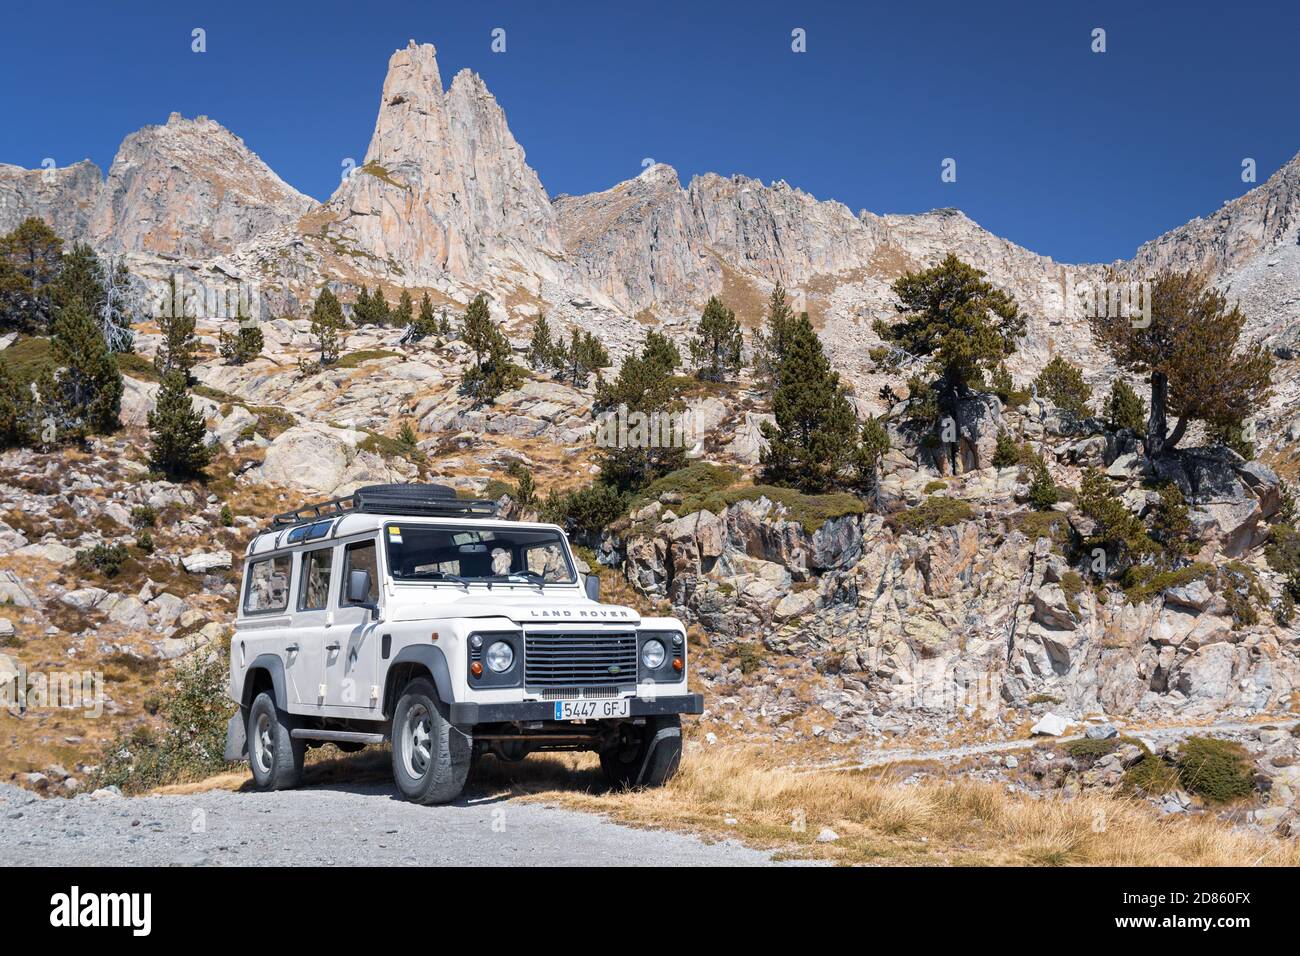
[
  {"x": 64, "y": 197},
  {"x": 444, "y": 189},
  {"x": 189, "y": 189}
]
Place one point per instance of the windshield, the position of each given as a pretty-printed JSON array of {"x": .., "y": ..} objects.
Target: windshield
[{"x": 470, "y": 555}]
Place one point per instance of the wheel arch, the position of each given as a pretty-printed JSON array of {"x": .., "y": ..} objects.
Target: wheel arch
[
  {"x": 266, "y": 671},
  {"x": 410, "y": 663}
]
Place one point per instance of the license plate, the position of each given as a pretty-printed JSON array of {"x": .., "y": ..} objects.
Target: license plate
[{"x": 590, "y": 709}]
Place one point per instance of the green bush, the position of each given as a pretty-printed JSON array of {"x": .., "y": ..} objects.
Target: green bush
[
  {"x": 105, "y": 558},
  {"x": 144, "y": 516},
  {"x": 1218, "y": 771},
  {"x": 1007, "y": 452},
  {"x": 586, "y": 511},
  {"x": 1063, "y": 384},
  {"x": 145, "y": 542},
  {"x": 751, "y": 656},
  {"x": 227, "y": 517},
  {"x": 1151, "y": 776},
  {"x": 1141, "y": 582},
  {"x": 937, "y": 511},
  {"x": 191, "y": 743}
]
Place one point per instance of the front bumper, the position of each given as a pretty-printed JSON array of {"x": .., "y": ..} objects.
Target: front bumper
[{"x": 467, "y": 714}]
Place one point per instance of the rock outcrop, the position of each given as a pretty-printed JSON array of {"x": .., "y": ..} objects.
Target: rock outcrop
[{"x": 64, "y": 197}]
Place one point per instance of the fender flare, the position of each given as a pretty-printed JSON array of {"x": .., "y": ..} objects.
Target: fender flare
[
  {"x": 272, "y": 664},
  {"x": 434, "y": 660}
]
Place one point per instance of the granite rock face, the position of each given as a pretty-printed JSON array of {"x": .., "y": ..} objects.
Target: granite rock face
[
  {"x": 64, "y": 197},
  {"x": 191, "y": 189}
]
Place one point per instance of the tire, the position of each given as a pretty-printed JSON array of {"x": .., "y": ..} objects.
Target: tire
[
  {"x": 273, "y": 755},
  {"x": 625, "y": 765},
  {"x": 431, "y": 758}
]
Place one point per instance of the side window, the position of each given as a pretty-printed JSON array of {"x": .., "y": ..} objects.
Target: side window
[
  {"x": 268, "y": 585},
  {"x": 314, "y": 588},
  {"x": 359, "y": 557}
]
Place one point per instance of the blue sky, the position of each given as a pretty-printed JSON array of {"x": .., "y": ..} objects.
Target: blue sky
[{"x": 1074, "y": 154}]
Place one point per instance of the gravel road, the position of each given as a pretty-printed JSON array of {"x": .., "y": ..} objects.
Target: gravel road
[{"x": 331, "y": 826}]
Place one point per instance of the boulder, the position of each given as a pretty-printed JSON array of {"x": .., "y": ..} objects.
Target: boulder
[
  {"x": 201, "y": 562},
  {"x": 311, "y": 457},
  {"x": 1051, "y": 725},
  {"x": 49, "y": 551}
]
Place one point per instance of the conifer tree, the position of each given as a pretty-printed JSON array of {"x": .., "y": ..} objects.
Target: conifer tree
[
  {"x": 654, "y": 446},
  {"x": 493, "y": 371},
  {"x": 404, "y": 314},
  {"x": 814, "y": 443},
  {"x": 959, "y": 323},
  {"x": 426, "y": 323},
  {"x": 15, "y": 409},
  {"x": 1191, "y": 351},
  {"x": 661, "y": 353},
  {"x": 584, "y": 355},
  {"x": 361, "y": 309},
  {"x": 1124, "y": 408},
  {"x": 326, "y": 323},
  {"x": 543, "y": 349},
  {"x": 716, "y": 347},
  {"x": 176, "y": 351},
  {"x": 87, "y": 383},
  {"x": 770, "y": 341},
  {"x": 1063, "y": 384},
  {"x": 30, "y": 261},
  {"x": 179, "y": 449}
]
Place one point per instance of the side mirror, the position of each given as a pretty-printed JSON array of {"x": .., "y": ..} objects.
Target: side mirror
[
  {"x": 358, "y": 586},
  {"x": 591, "y": 584}
]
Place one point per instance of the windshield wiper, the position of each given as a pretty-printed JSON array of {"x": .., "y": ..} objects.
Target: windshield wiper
[
  {"x": 531, "y": 577},
  {"x": 441, "y": 576}
]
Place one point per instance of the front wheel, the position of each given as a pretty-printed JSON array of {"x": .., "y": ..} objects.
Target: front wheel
[
  {"x": 646, "y": 756},
  {"x": 431, "y": 758},
  {"x": 273, "y": 755}
]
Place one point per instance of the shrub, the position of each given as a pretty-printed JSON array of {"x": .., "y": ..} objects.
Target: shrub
[
  {"x": 227, "y": 517},
  {"x": 144, "y": 516},
  {"x": 1007, "y": 452},
  {"x": 1064, "y": 385},
  {"x": 751, "y": 656},
  {"x": 1043, "y": 492},
  {"x": 1217, "y": 770},
  {"x": 105, "y": 558},
  {"x": 586, "y": 511},
  {"x": 1072, "y": 585},
  {"x": 1141, "y": 582},
  {"x": 192, "y": 741},
  {"x": 936, "y": 511},
  {"x": 1124, "y": 408},
  {"x": 1151, "y": 776},
  {"x": 145, "y": 542},
  {"x": 931, "y": 487}
]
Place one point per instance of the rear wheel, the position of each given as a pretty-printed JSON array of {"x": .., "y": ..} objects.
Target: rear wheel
[
  {"x": 431, "y": 758},
  {"x": 645, "y": 756},
  {"x": 273, "y": 755}
]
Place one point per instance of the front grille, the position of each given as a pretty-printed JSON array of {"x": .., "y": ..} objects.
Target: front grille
[
  {"x": 579, "y": 660},
  {"x": 581, "y": 693}
]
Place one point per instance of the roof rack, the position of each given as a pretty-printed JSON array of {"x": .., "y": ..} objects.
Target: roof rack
[{"x": 420, "y": 500}]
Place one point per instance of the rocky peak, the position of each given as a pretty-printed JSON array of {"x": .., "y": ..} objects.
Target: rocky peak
[
  {"x": 64, "y": 197},
  {"x": 189, "y": 188},
  {"x": 445, "y": 189}
]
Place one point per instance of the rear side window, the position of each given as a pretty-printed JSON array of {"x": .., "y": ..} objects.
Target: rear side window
[
  {"x": 314, "y": 590},
  {"x": 268, "y": 585},
  {"x": 359, "y": 557}
]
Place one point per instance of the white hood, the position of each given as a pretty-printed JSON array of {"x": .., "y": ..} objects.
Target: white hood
[{"x": 519, "y": 607}]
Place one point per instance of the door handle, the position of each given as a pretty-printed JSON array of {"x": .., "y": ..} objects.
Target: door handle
[
  {"x": 291, "y": 649},
  {"x": 332, "y": 647}
]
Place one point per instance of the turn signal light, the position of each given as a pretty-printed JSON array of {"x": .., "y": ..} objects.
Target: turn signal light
[
  {"x": 476, "y": 669},
  {"x": 433, "y": 636},
  {"x": 677, "y": 664}
]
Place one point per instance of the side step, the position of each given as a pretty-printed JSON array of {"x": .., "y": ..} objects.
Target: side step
[{"x": 341, "y": 736}]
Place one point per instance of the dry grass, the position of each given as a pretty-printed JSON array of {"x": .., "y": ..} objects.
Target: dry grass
[{"x": 741, "y": 793}]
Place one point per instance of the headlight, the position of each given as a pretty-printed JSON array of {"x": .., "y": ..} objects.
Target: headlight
[
  {"x": 652, "y": 654},
  {"x": 500, "y": 656}
]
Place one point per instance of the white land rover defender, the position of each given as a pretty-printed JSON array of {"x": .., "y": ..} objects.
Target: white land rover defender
[{"x": 405, "y": 613}]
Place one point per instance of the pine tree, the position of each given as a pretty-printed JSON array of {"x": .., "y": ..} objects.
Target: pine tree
[
  {"x": 1043, "y": 492},
  {"x": 380, "y": 314},
  {"x": 426, "y": 323},
  {"x": 770, "y": 341},
  {"x": 1191, "y": 350},
  {"x": 543, "y": 355},
  {"x": 954, "y": 319},
  {"x": 493, "y": 371},
  {"x": 176, "y": 351},
  {"x": 1124, "y": 408},
  {"x": 871, "y": 450},
  {"x": 661, "y": 353},
  {"x": 813, "y": 445},
  {"x": 179, "y": 448},
  {"x": 244, "y": 344},
  {"x": 81, "y": 279},
  {"x": 630, "y": 462},
  {"x": 1063, "y": 384},
  {"x": 326, "y": 323},
  {"x": 87, "y": 386},
  {"x": 583, "y": 356},
  {"x": 362, "y": 309},
  {"x": 715, "y": 349},
  {"x": 15, "y": 409},
  {"x": 404, "y": 314},
  {"x": 30, "y": 260}
]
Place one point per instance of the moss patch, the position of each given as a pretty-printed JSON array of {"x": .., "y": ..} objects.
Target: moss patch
[
  {"x": 937, "y": 511},
  {"x": 354, "y": 359}
]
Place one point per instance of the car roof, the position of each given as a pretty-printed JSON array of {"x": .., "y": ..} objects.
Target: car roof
[{"x": 354, "y": 523}]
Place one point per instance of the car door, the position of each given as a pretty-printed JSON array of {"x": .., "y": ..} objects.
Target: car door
[
  {"x": 311, "y": 626},
  {"x": 352, "y": 648}
]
